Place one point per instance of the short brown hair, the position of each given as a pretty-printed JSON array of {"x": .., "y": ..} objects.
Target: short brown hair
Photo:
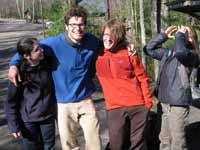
[
  {"x": 76, "y": 11},
  {"x": 117, "y": 28}
]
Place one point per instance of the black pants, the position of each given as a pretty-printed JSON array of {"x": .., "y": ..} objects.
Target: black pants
[
  {"x": 126, "y": 127},
  {"x": 38, "y": 135}
]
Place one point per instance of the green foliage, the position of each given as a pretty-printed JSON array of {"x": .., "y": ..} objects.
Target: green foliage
[
  {"x": 56, "y": 14},
  {"x": 93, "y": 26},
  {"x": 177, "y": 18},
  {"x": 126, "y": 10},
  {"x": 55, "y": 11},
  {"x": 57, "y": 28}
]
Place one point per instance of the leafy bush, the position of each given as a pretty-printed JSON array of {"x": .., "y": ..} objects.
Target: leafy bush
[{"x": 56, "y": 14}]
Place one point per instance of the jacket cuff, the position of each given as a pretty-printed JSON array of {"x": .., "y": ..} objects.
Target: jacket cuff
[{"x": 149, "y": 104}]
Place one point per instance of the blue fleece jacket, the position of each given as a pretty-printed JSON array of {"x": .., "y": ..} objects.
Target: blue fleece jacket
[{"x": 74, "y": 66}]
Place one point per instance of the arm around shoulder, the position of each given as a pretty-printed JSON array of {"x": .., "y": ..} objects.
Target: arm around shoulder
[{"x": 13, "y": 74}]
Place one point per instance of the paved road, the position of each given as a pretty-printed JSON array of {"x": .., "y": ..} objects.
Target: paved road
[{"x": 10, "y": 31}]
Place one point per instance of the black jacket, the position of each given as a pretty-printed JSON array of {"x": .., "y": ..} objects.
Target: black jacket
[
  {"x": 173, "y": 77},
  {"x": 33, "y": 100}
]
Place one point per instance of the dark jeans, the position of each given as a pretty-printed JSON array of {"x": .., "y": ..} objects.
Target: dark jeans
[
  {"x": 38, "y": 135},
  {"x": 126, "y": 127}
]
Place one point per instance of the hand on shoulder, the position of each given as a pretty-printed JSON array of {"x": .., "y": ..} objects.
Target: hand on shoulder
[{"x": 131, "y": 49}]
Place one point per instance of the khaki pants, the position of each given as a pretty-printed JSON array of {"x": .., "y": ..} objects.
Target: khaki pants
[
  {"x": 174, "y": 120},
  {"x": 73, "y": 115}
]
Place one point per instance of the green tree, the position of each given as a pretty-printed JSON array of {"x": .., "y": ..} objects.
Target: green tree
[{"x": 55, "y": 14}]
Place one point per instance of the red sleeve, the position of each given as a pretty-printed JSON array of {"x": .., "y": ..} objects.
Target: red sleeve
[{"x": 142, "y": 77}]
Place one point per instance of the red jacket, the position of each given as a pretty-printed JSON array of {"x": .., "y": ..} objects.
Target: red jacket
[{"x": 122, "y": 84}]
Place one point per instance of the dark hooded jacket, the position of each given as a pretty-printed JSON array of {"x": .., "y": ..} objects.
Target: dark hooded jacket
[
  {"x": 33, "y": 100},
  {"x": 172, "y": 85}
]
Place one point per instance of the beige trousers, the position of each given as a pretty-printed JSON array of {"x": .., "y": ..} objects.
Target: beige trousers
[{"x": 82, "y": 114}]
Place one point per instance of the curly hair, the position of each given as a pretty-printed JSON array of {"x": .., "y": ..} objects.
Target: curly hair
[{"x": 76, "y": 11}]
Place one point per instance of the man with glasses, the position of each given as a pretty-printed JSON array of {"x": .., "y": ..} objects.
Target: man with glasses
[{"x": 73, "y": 54}]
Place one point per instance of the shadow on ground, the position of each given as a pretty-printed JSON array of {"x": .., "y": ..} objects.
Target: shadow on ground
[{"x": 193, "y": 136}]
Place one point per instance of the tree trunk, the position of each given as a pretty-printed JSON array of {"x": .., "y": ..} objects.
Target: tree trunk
[
  {"x": 155, "y": 27},
  {"x": 133, "y": 8},
  {"x": 164, "y": 14},
  {"x": 143, "y": 37},
  {"x": 115, "y": 7},
  {"x": 33, "y": 14},
  {"x": 23, "y": 7},
  {"x": 18, "y": 9},
  {"x": 136, "y": 23},
  {"x": 71, "y": 3},
  {"x": 108, "y": 9},
  {"x": 158, "y": 19},
  {"x": 41, "y": 10}
]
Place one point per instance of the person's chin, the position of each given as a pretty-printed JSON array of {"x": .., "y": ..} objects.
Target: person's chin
[
  {"x": 108, "y": 46},
  {"x": 79, "y": 37},
  {"x": 42, "y": 57}
]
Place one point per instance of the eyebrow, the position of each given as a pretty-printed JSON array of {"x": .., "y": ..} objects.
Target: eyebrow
[{"x": 35, "y": 49}]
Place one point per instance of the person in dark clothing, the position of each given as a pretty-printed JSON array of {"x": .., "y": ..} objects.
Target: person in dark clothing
[
  {"x": 173, "y": 88},
  {"x": 30, "y": 107}
]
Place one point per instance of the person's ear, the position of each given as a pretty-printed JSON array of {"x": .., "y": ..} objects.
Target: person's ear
[{"x": 66, "y": 27}]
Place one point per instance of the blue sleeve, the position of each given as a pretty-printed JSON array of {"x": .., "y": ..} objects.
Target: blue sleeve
[
  {"x": 153, "y": 47},
  {"x": 15, "y": 59}
]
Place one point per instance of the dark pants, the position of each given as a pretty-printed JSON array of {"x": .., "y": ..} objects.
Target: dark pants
[
  {"x": 38, "y": 135},
  {"x": 126, "y": 127}
]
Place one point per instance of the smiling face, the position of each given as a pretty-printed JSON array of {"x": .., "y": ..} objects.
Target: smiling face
[
  {"x": 76, "y": 28},
  {"x": 109, "y": 40},
  {"x": 113, "y": 35}
]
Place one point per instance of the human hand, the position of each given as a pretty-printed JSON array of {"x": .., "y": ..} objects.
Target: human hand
[
  {"x": 131, "y": 49},
  {"x": 16, "y": 135},
  {"x": 13, "y": 75},
  {"x": 170, "y": 30},
  {"x": 182, "y": 29}
]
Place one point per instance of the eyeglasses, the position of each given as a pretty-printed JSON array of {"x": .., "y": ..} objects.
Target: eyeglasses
[{"x": 74, "y": 25}]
